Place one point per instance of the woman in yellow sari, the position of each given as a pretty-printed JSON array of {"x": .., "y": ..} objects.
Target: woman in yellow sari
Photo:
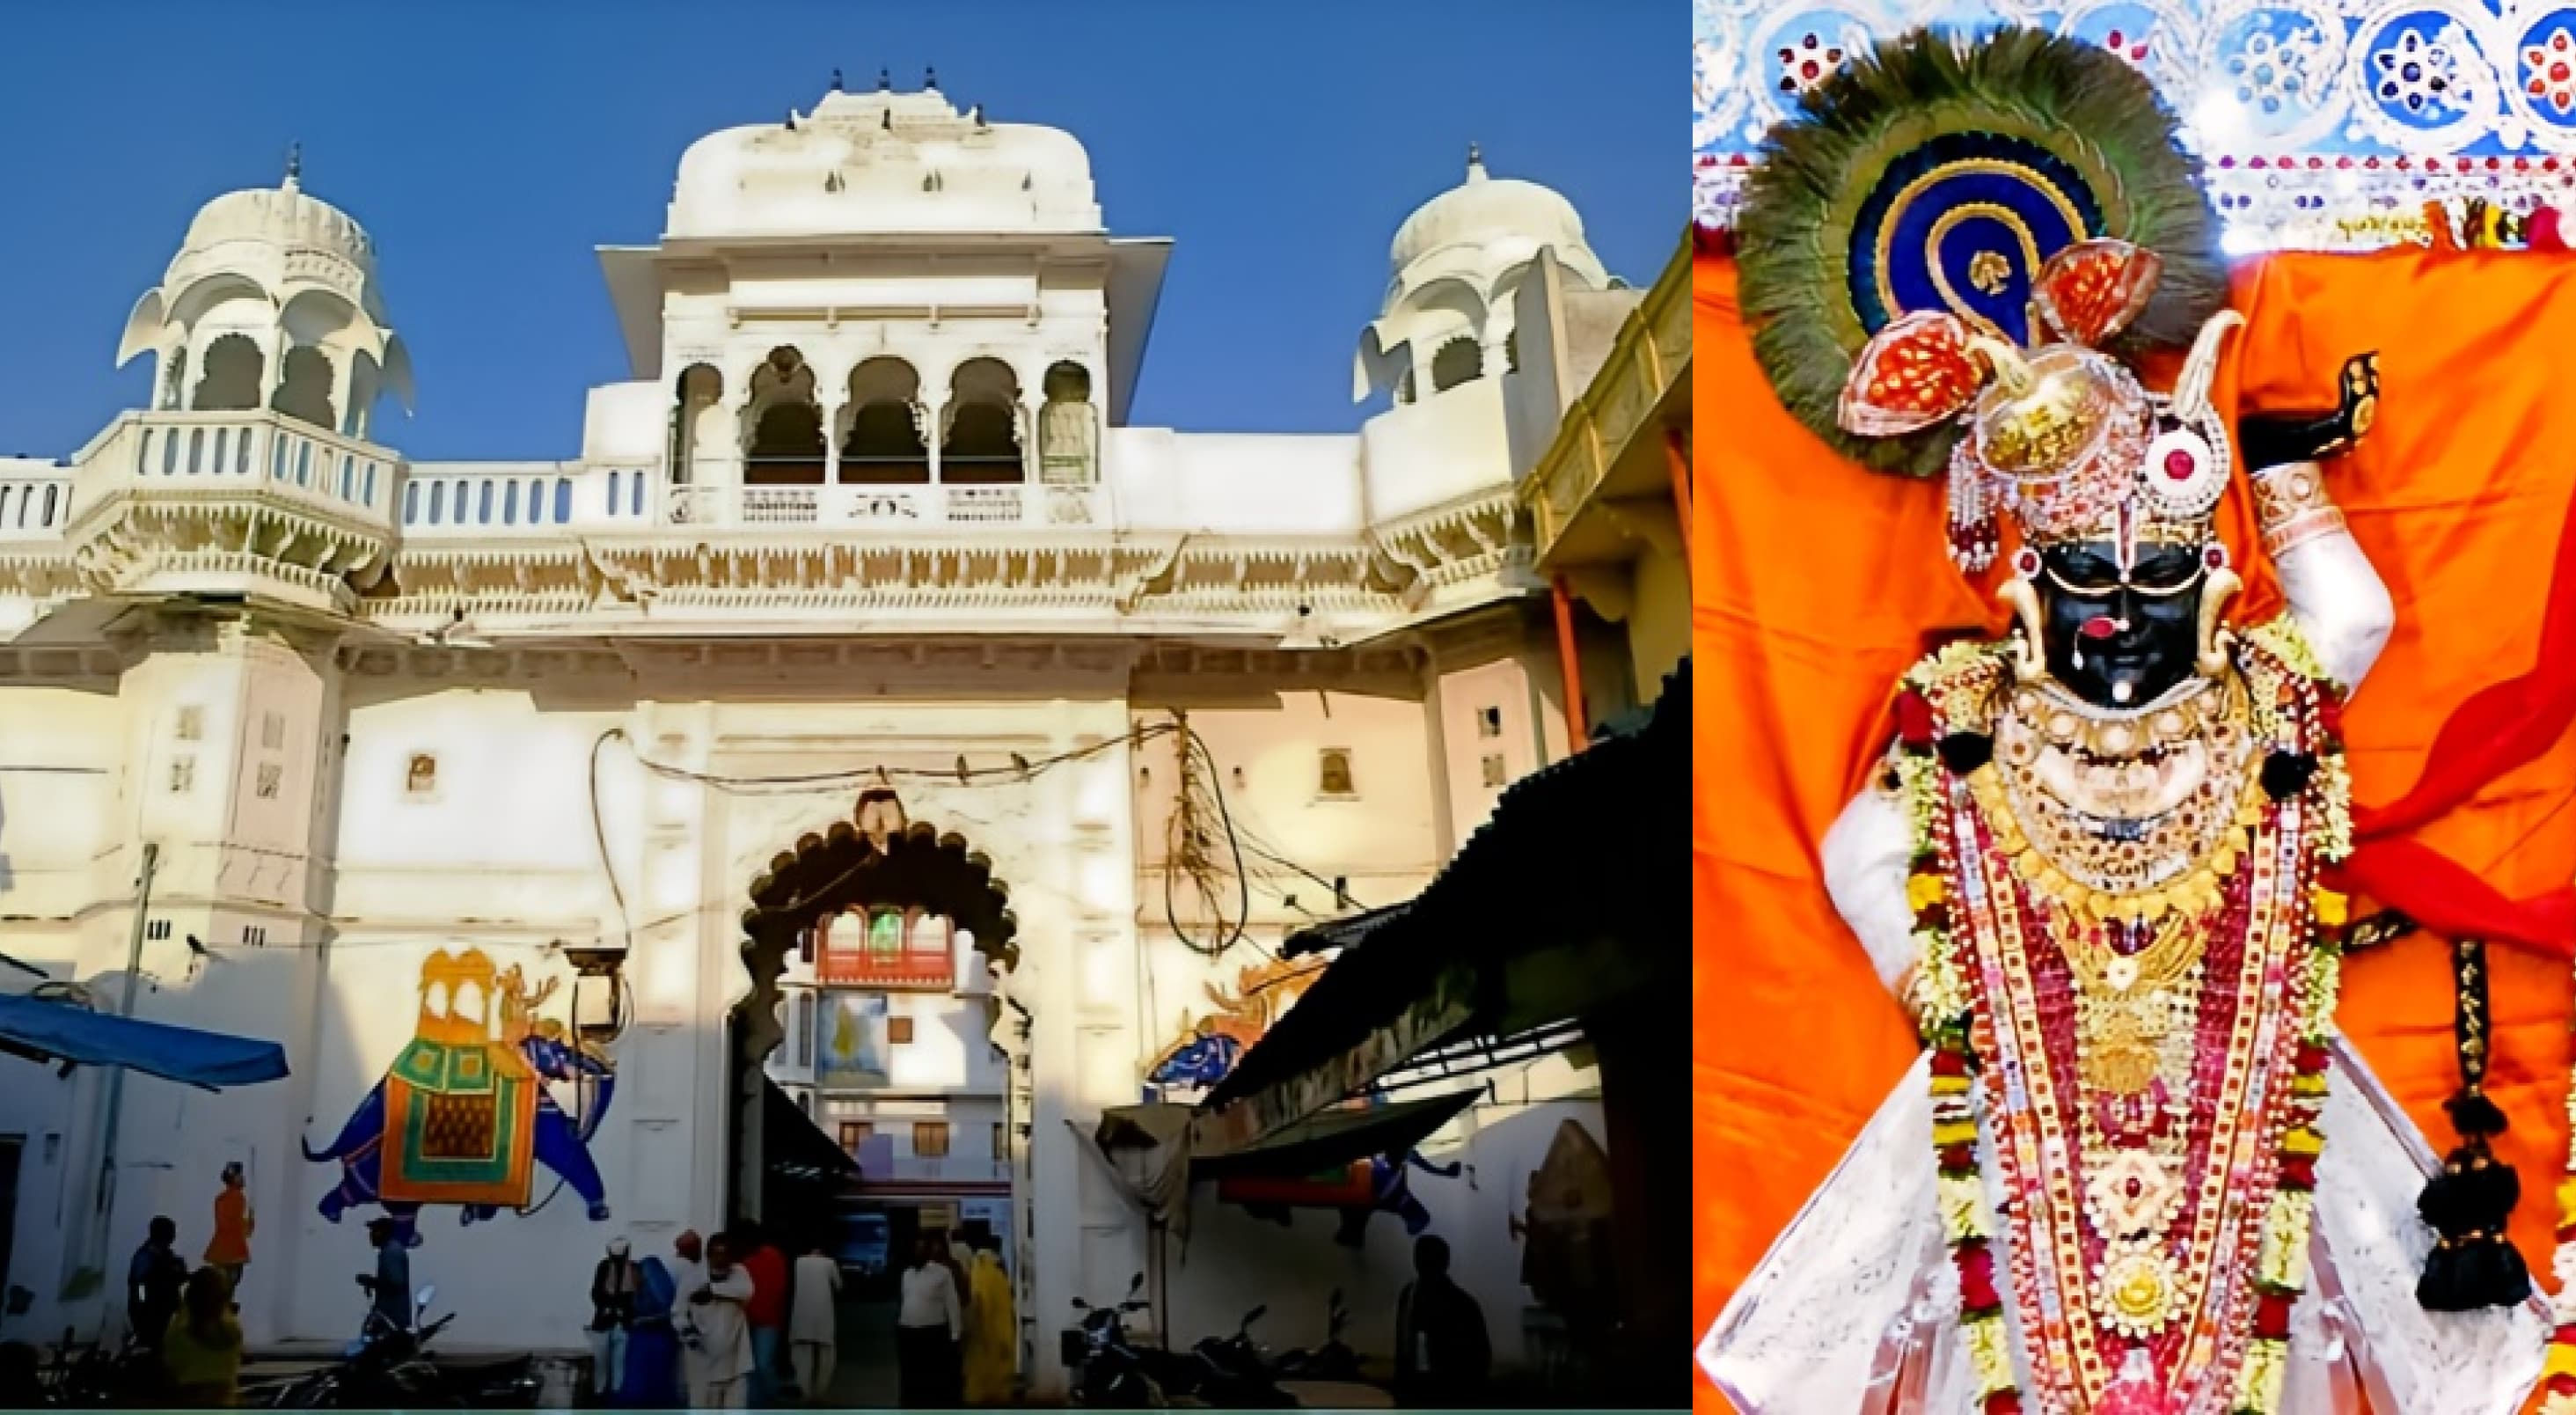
[{"x": 992, "y": 1330}]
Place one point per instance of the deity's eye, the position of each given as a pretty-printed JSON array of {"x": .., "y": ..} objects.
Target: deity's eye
[
  {"x": 2084, "y": 572},
  {"x": 2165, "y": 569}
]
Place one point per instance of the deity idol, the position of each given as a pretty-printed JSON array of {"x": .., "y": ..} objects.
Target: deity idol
[{"x": 2134, "y": 1172}]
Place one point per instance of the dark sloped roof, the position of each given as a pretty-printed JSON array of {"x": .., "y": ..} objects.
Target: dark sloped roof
[{"x": 1598, "y": 843}]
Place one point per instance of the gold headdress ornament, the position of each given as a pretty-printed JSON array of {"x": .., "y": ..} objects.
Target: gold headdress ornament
[{"x": 2060, "y": 436}]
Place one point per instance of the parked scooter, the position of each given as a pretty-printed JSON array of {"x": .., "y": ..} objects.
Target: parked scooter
[
  {"x": 1333, "y": 1361},
  {"x": 389, "y": 1367},
  {"x": 1237, "y": 1375},
  {"x": 1109, "y": 1372},
  {"x": 100, "y": 1377}
]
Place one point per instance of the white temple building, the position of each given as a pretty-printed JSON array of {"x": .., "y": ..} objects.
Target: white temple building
[{"x": 455, "y": 764}]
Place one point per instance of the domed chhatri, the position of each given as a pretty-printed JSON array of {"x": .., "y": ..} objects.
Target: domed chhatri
[
  {"x": 271, "y": 302},
  {"x": 1454, "y": 264}
]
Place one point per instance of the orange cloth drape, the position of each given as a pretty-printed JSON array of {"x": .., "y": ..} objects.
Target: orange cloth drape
[{"x": 1820, "y": 582}]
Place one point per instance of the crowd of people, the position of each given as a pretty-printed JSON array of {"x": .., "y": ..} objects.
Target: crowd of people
[{"x": 729, "y": 1323}]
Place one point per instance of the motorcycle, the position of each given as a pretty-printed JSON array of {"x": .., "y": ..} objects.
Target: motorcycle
[
  {"x": 1109, "y": 1371},
  {"x": 1333, "y": 1361},
  {"x": 389, "y": 1367},
  {"x": 100, "y": 1378},
  {"x": 1236, "y": 1377}
]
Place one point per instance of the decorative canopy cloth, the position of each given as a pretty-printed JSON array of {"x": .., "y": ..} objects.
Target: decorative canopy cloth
[
  {"x": 56, "y": 1031},
  {"x": 1823, "y": 581}
]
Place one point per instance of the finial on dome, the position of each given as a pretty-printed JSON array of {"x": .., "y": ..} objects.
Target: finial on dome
[
  {"x": 978, "y": 115},
  {"x": 885, "y": 80},
  {"x": 1475, "y": 161},
  {"x": 930, "y": 76},
  {"x": 836, "y": 80},
  {"x": 294, "y": 167}
]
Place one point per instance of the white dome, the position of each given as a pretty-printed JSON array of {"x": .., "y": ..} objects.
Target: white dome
[
  {"x": 1457, "y": 261},
  {"x": 281, "y": 237},
  {"x": 1481, "y": 214},
  {"x": 865, "y": 163}
]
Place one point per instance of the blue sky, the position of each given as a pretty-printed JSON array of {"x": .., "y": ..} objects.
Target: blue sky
[{"x": 488, "y": 148}]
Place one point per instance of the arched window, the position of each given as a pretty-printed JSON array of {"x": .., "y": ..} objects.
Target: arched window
[
  {"x": 1068, "y": 429},
  {"x": 980, "y": 435},
  {"x": 230, "y": 380},
  {"x": 884, "y": 446},
  {"x": 1457, "y": 362},
  {"x": 785, "y": 446},
  {"x": 699, "y": 388},
  {"x": 305, "y": 391}
]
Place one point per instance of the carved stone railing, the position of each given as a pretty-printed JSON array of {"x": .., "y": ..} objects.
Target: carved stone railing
[
  {"x": 886, "y": 507},
  {"x": 1651, "y": 354},
  {"x": 524, "y": 500},
  {"x": 34, "y": 507}
]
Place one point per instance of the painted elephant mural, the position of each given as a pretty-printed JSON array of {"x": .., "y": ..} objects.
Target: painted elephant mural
[{"x": 468, "y": 1111}]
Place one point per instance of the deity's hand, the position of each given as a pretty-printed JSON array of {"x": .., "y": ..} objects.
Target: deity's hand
[
  {"x": 2283, "y": 450},
  {"x": 2278, "y": 439}
]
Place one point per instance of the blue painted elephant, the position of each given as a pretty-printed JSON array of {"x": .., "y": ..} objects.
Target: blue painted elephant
[
  {"x": 559, "y": 1142},
  {"x": 1198, "y": 1063}
]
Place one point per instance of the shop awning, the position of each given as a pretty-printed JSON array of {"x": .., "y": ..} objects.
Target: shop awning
[
  {"x": 65, "y": 1032},
  {"x": 792, "y": 1146},
  {"x": 1565, "y": 901},
  {"x": 1152, "y": 1147},
  {"x": 1330, "y": 1138}
]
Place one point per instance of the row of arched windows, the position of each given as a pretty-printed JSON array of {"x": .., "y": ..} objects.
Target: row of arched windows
[{"x": 882, "y": 437}]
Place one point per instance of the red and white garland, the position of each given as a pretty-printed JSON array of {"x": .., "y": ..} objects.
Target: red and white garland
[{"x": 2303, "y": 962}]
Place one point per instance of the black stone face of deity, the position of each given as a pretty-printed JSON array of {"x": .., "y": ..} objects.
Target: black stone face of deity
[{"x": 2119, "y": 640}]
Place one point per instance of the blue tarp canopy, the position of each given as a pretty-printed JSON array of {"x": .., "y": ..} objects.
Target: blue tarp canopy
[{"x": 66, "y": 1032}]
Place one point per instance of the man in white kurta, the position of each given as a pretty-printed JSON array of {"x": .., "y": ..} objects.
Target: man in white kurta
[
  {"x": 723, "y": 1378},
  {"x": 813, "y": 1324}
]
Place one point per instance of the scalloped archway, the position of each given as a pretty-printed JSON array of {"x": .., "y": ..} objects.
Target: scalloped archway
[{"x": 878, "y": 857}]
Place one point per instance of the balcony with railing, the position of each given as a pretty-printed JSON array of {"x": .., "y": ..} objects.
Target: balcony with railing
[
  {"x": 35, "y": 504},
  {"x": 192, "y": 455},
  {"x": 883, "y": 506},
  {"x": 476, "y": 500}
]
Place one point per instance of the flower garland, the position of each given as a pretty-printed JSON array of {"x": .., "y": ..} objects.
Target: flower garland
[
  {"x": 2558, "y": 1371},
  {"x": 1943, "y": 998}
]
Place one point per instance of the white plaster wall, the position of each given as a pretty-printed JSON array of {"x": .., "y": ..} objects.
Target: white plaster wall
[
  {"x": 54, "y": 823},
  {"x": 1233, "y": 1261},
  {"x": 626, "y": 422},
  {"x": 1427, "y": 453},
  {"x": 1241, "y": 483}
]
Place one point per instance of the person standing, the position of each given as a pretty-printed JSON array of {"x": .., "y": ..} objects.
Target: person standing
[
  {"x": 612, "y": 1311},
  {"x": 228, "y": 1252},
  {"x": 153, "y": 1281},
  {"x": 201, "y": 1353},
  {"x": 688, "y": 1274},
  {"x": 814, "y": 1325},
  {"x": 651, "y": 1378},
  {"x": 724, "y": 1373},
  {"x": 1442, "y": 1351},
  {"x": 391, "y": 1286},
  {"x": 927, "y": 1326},
  {"x": 767, "y": 1311},
  {"x": 992, "y": 1328}
]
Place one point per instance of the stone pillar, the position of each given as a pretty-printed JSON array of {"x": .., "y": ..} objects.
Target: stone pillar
[
  {"x": 1087, "y": 1237},
  {"x": 235, "y": 745},
  {"x": 831, "y": 443}
]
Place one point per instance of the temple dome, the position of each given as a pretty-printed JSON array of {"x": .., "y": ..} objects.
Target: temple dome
[
  {"x": 1456, "y": 262},
  {"x": 882, "y": 162},
  {"x": 1484, "y": 218}
]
